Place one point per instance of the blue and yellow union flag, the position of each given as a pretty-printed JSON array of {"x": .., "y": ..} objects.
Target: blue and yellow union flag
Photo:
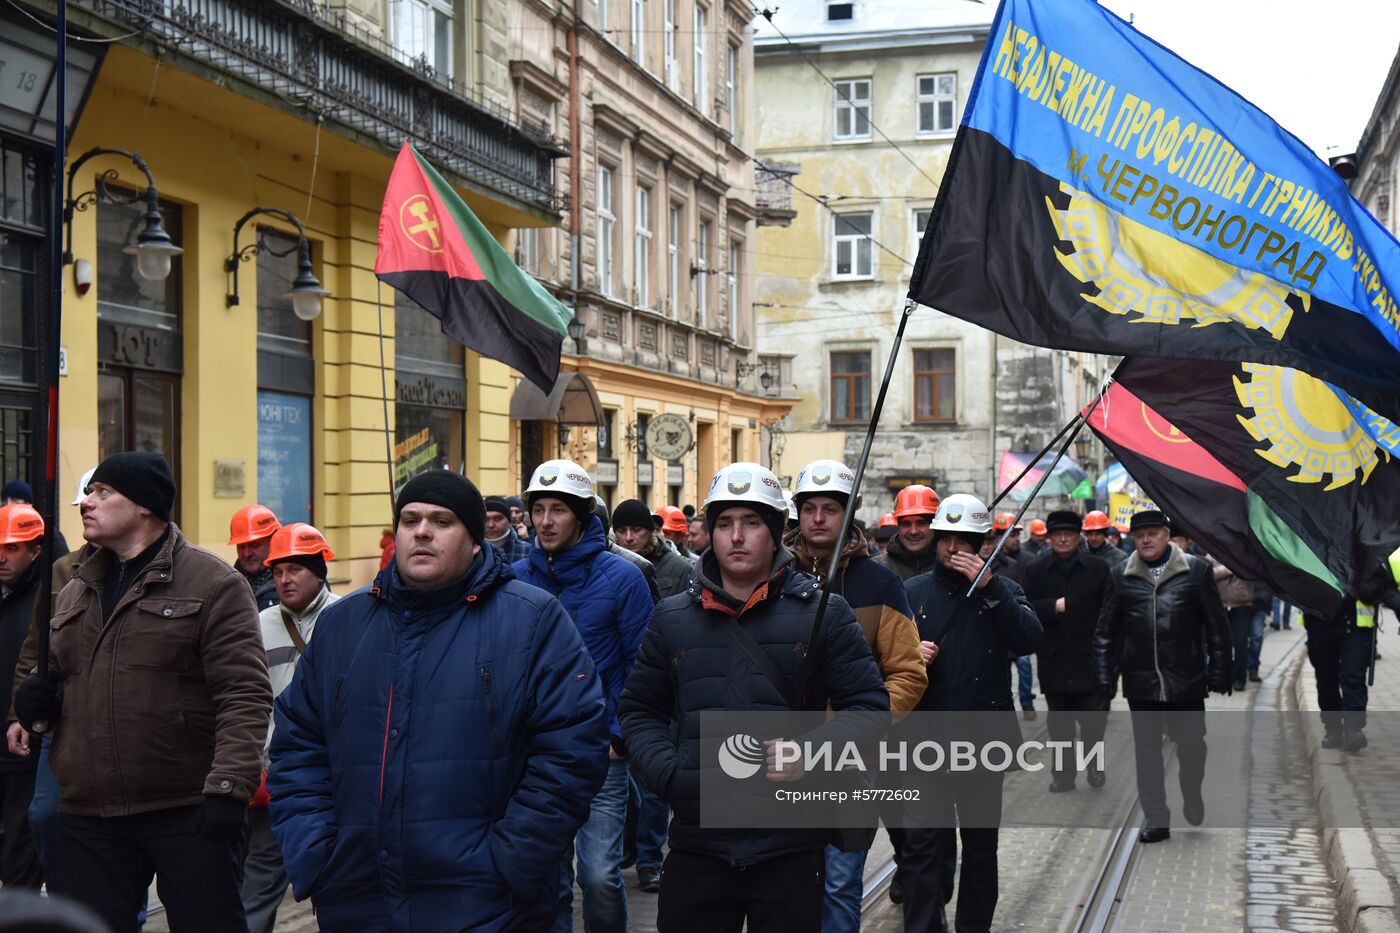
[{"x": 1105, "y": 195}]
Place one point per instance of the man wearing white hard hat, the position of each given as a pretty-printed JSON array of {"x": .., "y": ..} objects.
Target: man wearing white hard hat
[
  {"x": 611, "y": 604},
  {"x": 705, "y": 651},
  {"x": 966, "y": 641},
  {"x": 876, "y": 596}
]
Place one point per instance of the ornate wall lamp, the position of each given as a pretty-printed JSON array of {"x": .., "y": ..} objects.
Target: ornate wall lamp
[
  {"x": 306, "y": 292},
  {"x": 153, "y": 247}
]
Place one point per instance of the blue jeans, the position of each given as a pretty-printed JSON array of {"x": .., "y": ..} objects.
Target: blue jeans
[
  {"x": 1283, "y": 613},
  {"x": 653, "y": 814},
  {"x": 599, "y": 845},
  {"x": 1023, "y": 666},
  {"x": 1256, "y": 638},
  {"x": 43, "y": 816},
  {"x": 845, "y": 883}
]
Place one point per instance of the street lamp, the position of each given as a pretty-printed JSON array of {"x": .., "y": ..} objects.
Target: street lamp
[
  {"x": 306, "y": 292},
  {"x": 742, "y": 369},
  {"x": 153, "y": 247},
  {"x": 576, "y": 329}
]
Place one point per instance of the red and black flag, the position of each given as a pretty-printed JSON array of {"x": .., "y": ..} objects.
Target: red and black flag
[
  {"x": 1212, "y": 504},
  {"x": 1296, "y": 443},
  {"x": 1104, "y": 195},
  {"x": 434, "y": 250}
]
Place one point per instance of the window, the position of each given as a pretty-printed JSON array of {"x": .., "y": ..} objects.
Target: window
[
  {"x": 850, "y": 386},
  {"x": 603, "y": 17},
  {"x": 669, "y": 30},
  {"x": 731, "y": 91},
  {"x": 527, "y": 249},
  {"x": 430, "y": 394},
  {"x": 639, "y": 21},
  {"x": 851, "y": 254},
  {"x": 423, "y": 32},
  {"x": 853, "y": 109},
  {"x": 286, "y": 384},
  {"x": 673, "y": 262},
  {"x": 935, "y": 385},
  {"x": 921, "y": 216},
  {"x": 837, "y": 10},
  {"x": 642, "y": 253},
  {"x": 702, "y": 75},
  {"x": 938, "y": 100},
  {"x": 702, "y": 285},
  {"x": 733, "y": 291},
  {"x": 607, "y": 221}
]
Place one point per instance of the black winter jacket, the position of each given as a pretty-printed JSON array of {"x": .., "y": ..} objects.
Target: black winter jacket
[
  {"x": 1169, "y": 637},
  {"x": 905, "y": 564},
  {"x": 1066, "y": 657},
  {"x": 16, "y": 614},
  {"x": 975, "y": 636},
  {"x": 689, "y": 664}
]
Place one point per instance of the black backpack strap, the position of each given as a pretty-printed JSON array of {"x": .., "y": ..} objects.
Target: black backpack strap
[{"x": 745, "y": 642}]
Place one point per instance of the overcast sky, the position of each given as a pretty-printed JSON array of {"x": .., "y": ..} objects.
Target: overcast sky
[{"x": 1315, "y": 66}]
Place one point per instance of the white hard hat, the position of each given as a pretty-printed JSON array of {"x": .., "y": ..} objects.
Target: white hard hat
[
  {"x": 963, "y": 513},
  {"x": 561, "y": 477},
  {"x": 824, "y": 478},
  {"x": 791, "y": 506},
  {"x": 747, "y": 482},
  {"x": 83, "y": 484}
]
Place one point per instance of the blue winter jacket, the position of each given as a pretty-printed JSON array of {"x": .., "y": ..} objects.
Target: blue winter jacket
[
  {"x": 609, "y": 600},
  {"x": 435, "y": 753}
]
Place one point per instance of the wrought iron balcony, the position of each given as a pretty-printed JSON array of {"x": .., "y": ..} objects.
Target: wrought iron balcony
[
  {"x": 773, "y": 199},
  {"x": 313, "y": 57}
]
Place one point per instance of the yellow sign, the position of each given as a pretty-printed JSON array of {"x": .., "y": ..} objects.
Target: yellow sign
[{"x": 1121, "y": 507}]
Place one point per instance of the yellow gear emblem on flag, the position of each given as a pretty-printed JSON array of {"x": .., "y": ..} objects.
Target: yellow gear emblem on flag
[
  {"x": 1305, "y": 425},
  {"x": 1164, "y": 280}
]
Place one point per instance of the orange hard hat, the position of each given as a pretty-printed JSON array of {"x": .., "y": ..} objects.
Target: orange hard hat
[
  {"x": 1038, "y": 527},
  {"x": 251, "y": 523},
  {"x": 20, "y": 523},
  {"x": 915, "y": 500},
  {"x": 1004, "y": 520},
  {"x": 1096, "y": 521},
  {"x": 672, "y": 519},
  {"x": 297, "y": 539},
  {"x": 888, "y": 521}
]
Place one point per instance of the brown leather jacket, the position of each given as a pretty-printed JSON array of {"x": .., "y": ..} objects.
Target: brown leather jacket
[{"x": 168, "y": 701}]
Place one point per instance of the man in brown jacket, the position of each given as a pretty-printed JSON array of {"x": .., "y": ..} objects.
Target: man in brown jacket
[
  {"x": 158, "y": 702},
  {"x": 877, "y": 596}
]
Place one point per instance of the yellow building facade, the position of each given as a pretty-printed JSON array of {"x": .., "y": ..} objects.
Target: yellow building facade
[{"x": 247, "y": 402}]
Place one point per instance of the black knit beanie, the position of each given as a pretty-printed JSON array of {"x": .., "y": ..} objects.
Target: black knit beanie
[
  {"x": 451, "y": 491},
  {"x": 775, "y": 520},
  {"x": 632, "y": 513},
  {"x": 313, "y": 562},
  {"x": 144, "y": 478},
  {"x": 498, "y": 505}
]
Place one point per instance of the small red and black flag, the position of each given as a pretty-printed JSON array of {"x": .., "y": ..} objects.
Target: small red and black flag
[
  {"x": 434, "y": 250},
  {"x": 1212, "y": 504}
]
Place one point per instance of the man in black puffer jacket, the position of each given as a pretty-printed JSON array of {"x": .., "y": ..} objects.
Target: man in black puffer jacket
[
  {"x": 690, "y": 662},
  {"x": 1164, "y": 628},
  {"x": 966, "y": 642}
]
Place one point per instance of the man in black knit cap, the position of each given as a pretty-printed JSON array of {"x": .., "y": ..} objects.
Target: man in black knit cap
[
  {"x": 158, "y": 701},
  {"x": 500, "y": 531}
]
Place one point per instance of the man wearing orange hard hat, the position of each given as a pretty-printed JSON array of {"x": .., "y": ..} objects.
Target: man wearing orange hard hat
[
  {"x": 910, "y": 553},
  {"x": 1039, "y": 541},
  {"x": 1096, "y": 528},
  {"x": 251, "y": 530},
  {"x": 21, "y": 535},
  {"x": 675, "y": 528},
  {"x": 296, "y": 558}
]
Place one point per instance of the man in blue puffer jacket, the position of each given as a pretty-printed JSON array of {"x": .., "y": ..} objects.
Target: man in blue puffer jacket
[
  {"x": 438, "y": 746},
  {"x": 611, "y": 605}
]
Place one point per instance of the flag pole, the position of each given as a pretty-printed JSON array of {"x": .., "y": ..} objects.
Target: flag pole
[
  {"x": 1078, "y": 425},
  {"x": 1031, "y": 465},
  {"x": 384, "y": 390},
  {"x": 814, "y": 642},
  {"x": 49, "y": 501}
]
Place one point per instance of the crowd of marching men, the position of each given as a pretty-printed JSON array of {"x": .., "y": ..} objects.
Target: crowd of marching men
[{"x": 512, "y": 707}]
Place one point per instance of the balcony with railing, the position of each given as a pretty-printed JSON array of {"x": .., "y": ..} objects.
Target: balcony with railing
[
  {"x": 773, "y": 197},
  {"x": 315, "y": 58}
]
